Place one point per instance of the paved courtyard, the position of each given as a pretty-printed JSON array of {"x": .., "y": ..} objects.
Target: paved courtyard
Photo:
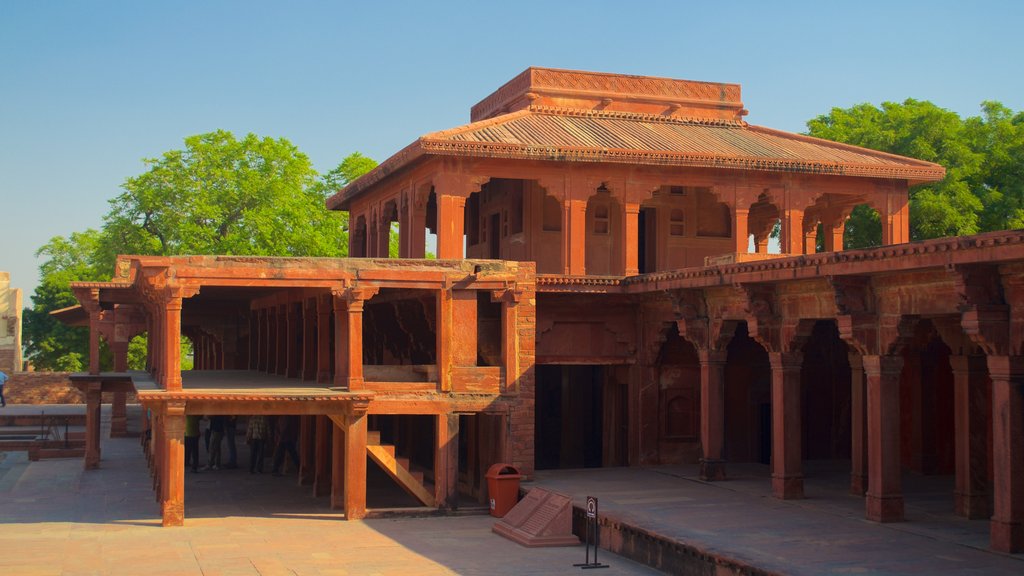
[{"x": 57, "y": 519}]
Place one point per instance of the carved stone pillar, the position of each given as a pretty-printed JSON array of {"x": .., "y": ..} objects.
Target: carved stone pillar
[
  {"x": 858, "y": 427},
  {"x": 118, "y": 408},
  {"x": 834, "y": 235},
  {"x": 787, "y": 452},
  {"x": 445, "y": 331},
  {"x": 323, "y": 339},
  {"x": 509, "y": 337},
  {"x": 740, "y": 221},
  {"x": 171, "y": 344},
  {"x": 970, "y": 398},
  {"x": 1007, "y": 527},
  {"x": 309, "y": 343},
  {"x": 884, "y": 500},
  {"x": 574, "y": 237},
  {"x": 631, "y": 238},
  {"x": 173, "y": 472},
  {"x": 446, "y": 461},
  {"x": 348, "y": 336},
  {"x": 355, "y": 467},
  {"x": 93, "y": 415},
  {"x": 895, "y": 216},
  {"x": 307, "y": 450},
  {"x": 322, "y": 474},
  {"x": 281, "y": 343},
  {"x": 792, "y": 231},
  {"x": 712, "y": 414},
  {"x": 451, "y": 212},
  {"x": 293, "y": 362}
]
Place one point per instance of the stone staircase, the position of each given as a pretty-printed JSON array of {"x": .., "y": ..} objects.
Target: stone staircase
[{"x": 399, "y": 468}]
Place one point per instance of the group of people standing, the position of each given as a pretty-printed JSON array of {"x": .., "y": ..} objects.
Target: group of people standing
[{"x": 281, "y": 432}]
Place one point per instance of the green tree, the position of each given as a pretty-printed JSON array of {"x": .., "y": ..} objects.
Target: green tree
[
  {"x": 221, "y": 195},
  {"x": 217, "y": 195},
  {"x": 49, "y": 343},
  {"x": 918, "y": 129}
]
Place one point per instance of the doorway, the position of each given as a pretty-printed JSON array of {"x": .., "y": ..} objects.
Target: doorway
[{"x": 580, "y": 417}]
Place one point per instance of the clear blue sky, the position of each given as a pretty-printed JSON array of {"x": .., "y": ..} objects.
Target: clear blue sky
[{"x": 88, "y": 89}]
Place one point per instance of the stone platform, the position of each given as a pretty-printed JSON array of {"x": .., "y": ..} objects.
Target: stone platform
[{"x": 668, "y": 518}]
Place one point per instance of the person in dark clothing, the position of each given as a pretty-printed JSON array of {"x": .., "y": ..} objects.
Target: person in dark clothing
[
  {"x": 230, "y": 424},
  {"x": 287, "y": 434},
  {"x": 216, "y": 437},
  {"x": 255, "y": 437}
]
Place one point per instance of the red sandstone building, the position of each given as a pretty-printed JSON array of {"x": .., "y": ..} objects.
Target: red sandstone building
[{"x": 595, "y": 302}]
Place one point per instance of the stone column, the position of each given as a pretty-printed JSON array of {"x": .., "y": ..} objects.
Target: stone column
[
  {"x": 418, "y": 233},
  {"x": 119, "y": 408},
  {"x": 834, "y": 235},
  {"x": 574, "y": 237},
  {"x": 858, "y": 427},
  {"x": 1007, "y": 527},
  {"x": 451, "y": 216},
  {"x": 93, "y": 415},
  {"x": 337, "y": 463},
  {"x": 323, "y": 339},
  {"x": 171, "y": 341},
  {"x": 307, "y": 450},
  {"x": 712, "y": 414},
  {"x": 322, "y": 474},
  {"x": 895, "y": 217},
  {"x": 309, "y": 339},
  {"x": 792, "y": 231},
  {"x": 970, "y": 398},
  {"x": 445, "y": 334},
  {"x": 173, "y": 473},
  {"x": 787, "y": 454},
  {"x": 254, "y": 346},
  {"x": 263, "y": 351},
  {"x": 446, "y": 461},
  {"x": 281, "y": 340},
  {"x": 510, "y": 340},
  {"x": 811, "y": 242},
  {"x": 294, "y": 354},
  {"x": 884, "y": 500},
  {"x": 631, "y": 237},
  {"x": 349, "y": 486},
  {"x": 741, "y": 233},
  {"x": 348, "y": 337}
]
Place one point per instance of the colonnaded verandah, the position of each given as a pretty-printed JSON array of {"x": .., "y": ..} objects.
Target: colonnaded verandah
[{"x": 595, "y": 303}]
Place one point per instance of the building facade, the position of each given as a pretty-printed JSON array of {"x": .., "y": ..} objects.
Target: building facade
[
  {"x": 10, "y": 325},
  {"x": 604, "y": 296}
]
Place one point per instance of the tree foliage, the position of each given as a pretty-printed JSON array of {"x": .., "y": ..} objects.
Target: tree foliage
[
  {"x": 48, "y": 343},
  {"x": 983, "y": 156},
  {"x": 217, "y": 195}
]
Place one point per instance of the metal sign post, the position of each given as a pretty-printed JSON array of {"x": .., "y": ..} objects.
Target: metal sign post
[{"x": 592, "y": 529}]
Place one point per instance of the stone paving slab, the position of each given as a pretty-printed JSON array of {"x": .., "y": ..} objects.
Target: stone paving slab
[{"x": 57, "y": 519}]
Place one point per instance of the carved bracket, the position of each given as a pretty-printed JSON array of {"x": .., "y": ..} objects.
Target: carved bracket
[
  {"x": 852, "y": 294},
  {"x": 763, "y": 322},
  {"x": 690, "y": 311},
  {"x": 985, "y": 316},
  {"x": 507, "y": 295}
]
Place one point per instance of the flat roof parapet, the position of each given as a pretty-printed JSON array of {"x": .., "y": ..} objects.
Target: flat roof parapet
[{"x": 576, "y": 89}]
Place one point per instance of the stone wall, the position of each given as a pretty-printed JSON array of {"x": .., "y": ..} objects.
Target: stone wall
[{"x": 521, "y": 440}]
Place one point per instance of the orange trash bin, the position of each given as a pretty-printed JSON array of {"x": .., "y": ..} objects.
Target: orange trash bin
[{"x": 502, "y": 488}]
